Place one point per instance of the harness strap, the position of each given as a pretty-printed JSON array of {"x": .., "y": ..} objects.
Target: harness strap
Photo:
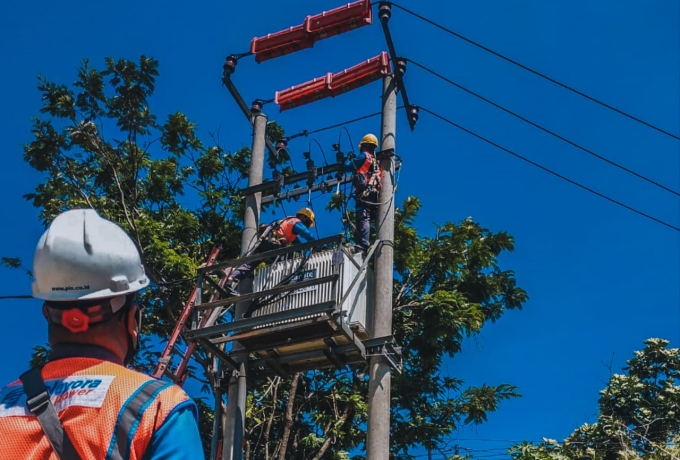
[
  {"x": 39, "y": 404},
  {"x": 129, "y": 417}
]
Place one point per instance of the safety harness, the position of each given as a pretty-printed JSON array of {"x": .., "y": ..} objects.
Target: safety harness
[
  {"x": 39, "y": 404},
  {"x": 367, "y": 180}
]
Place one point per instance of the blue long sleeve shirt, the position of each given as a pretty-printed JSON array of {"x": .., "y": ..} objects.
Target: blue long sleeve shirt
[
  {"x": 354, "y": 164},
  {"x": 303, "y": 232},
  {"x": 177, "y": 438}
]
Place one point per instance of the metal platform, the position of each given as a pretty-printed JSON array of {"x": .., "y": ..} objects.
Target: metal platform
[{"x": 316, "y": 336}]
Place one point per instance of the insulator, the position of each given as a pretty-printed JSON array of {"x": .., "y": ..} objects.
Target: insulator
[
  {"x": 310, "y": 165},
  {"x": 229, "y": 65},
  {"x": 401, "y": 66},
  {"x": 413, "y": 113},
  {"x": 256, "y": 106},
  {"x": 385, "y": 12},
  {"x": 339, "y": 157}
]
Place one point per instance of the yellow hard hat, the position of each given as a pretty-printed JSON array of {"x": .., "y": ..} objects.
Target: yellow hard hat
[
  {"x": 308, "y": 213},
  {"x": 369, "y": 139}
]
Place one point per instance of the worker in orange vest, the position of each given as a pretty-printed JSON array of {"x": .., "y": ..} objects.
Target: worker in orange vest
[
  {"x": 84, "y": 403},
  {"x": 276, "y": 235},
  {"x": 366, "y": 181}
]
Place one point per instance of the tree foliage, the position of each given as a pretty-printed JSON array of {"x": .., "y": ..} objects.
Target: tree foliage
[
  {"x": 638, "y": 415},
  {"x": 99, "y": 145}
]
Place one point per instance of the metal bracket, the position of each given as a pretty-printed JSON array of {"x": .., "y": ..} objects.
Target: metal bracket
[{"x": 388, "y": 349}]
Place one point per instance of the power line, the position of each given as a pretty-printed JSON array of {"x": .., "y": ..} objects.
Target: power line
[
  {"x": 337, "y": 125},
  {"x": 535, "y": 72},
  {"x": 546, "y": 130},
  {"x": 3, "y": 297},
  {"x": 550, "y": 171}
]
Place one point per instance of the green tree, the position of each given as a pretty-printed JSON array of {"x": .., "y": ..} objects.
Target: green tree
[
  {"x": 99, "y": 145},
  {"x": 638, "y": 415}
]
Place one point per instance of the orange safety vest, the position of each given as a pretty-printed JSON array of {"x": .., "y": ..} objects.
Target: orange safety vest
[
  {"x": 371, "y": 171},
  {"x": 108, "y": 411},
  {"x": 284, "y": 231}
]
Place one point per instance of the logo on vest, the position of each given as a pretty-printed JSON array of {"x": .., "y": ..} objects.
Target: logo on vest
[{"x": 77, "y": 390}]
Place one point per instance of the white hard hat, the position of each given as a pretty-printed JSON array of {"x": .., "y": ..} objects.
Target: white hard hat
[{"x": 82, "y": 256}]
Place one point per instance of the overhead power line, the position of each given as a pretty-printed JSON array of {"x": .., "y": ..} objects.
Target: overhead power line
[
  {"x": 535, "y": 72},
  {"x": 533, "y": 163},
  {"x": 546, "y": 130},
  {"x": 337, "y": 125}
]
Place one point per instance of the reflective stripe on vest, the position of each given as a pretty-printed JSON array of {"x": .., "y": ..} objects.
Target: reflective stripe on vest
[
  {"x": 285, "y": 230},
  {"x": 130, "y": 415}
]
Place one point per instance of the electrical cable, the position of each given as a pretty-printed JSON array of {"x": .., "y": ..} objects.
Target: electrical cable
[
  {"x": 337, "y": 125},
  {"x": 351, "y": 144},
  {"x": 535, "y": 72},
  {"x": 549, "y": 170},
  {"x": 536, "y": 125},
  {"x": 323, "y": 154},
  {"x": 170, "y": 283},
  {"x": 4, "y": 297},
  {"x": 311, "y": 207}
]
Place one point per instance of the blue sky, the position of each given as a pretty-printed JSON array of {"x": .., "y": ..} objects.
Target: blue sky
[{"x": 601, "y": 279}]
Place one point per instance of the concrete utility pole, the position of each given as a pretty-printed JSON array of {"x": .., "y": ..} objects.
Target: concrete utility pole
[
  {"x": 236, "y": 402},
  {"x": 378, "y": 439}
]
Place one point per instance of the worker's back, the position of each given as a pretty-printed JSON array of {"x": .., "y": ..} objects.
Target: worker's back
[{"x": 108, "y": 411}]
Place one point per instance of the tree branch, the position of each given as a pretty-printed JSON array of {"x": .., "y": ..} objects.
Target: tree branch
[{"x": 289, "y": 416}]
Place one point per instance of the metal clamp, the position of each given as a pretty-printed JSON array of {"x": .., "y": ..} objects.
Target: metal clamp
[{"x": 388, "y": 349}]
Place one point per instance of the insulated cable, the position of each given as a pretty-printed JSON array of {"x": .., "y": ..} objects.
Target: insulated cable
[
  {"x": 337, "y": 125},
  {"x": 535, "y": 72},
  {"x": 546, "y": 130},
  {"x": 549, "y": 170}
]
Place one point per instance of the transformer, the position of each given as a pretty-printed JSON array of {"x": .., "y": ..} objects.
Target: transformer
[{"x": 353, "y": 289}]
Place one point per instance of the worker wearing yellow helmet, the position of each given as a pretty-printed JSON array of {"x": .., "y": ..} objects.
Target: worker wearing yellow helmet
[
  {"x": 276, "y": 235},
  {"x": 366, "y": 180}
]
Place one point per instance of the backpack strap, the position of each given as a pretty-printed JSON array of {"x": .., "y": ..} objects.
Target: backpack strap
[{"x": 39, "y": 404}]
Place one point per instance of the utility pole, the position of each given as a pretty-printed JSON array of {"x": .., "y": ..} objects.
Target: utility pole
[
  {"x": 236, "y": 402},
  {"x": 378, "y": 438}
]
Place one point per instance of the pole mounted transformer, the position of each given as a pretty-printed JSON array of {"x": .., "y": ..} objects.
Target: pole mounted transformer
[{"x": 273, "y": 332}]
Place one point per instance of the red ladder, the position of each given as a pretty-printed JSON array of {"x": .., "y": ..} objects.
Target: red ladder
[{"x": 181, "y": 373}]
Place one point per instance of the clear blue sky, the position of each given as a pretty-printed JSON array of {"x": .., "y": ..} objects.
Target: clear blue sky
[{"x": 601, "y": 279}]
